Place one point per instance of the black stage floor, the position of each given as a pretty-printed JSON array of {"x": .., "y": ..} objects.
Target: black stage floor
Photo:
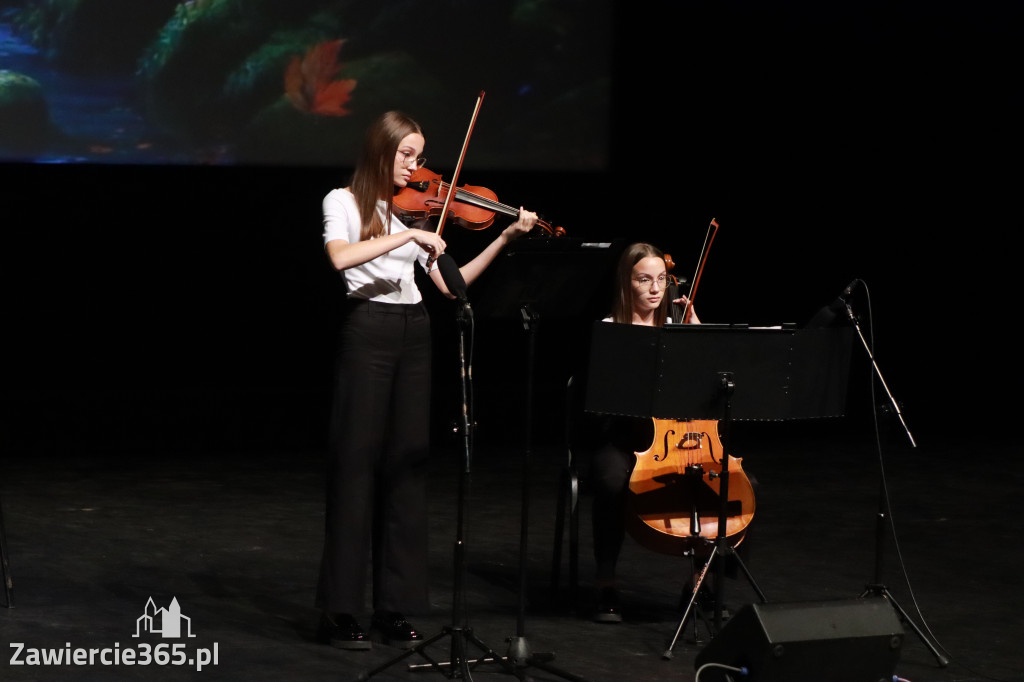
[{"x": 235, "y": 539}]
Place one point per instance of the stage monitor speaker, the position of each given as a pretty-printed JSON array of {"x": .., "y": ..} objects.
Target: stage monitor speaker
[{"x": 850, "y": 640}]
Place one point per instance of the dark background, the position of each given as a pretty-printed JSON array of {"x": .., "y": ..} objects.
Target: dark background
[{"x": 190, "y": 309}]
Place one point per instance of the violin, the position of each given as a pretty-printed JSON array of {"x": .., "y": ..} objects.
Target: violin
[
  {"x": 420, "y": 199},
  {"x": 472, "y": 207},
  {"x": 674, "y": 499}
]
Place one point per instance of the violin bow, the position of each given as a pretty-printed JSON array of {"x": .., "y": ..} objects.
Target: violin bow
[
  {"x": 709, "y": 238},
  {"x": 458, "y": 166}
]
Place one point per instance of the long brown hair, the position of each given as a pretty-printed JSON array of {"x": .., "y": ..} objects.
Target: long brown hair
[
  {"x": 622, "y": 302},
  {"x": 373, "y": 179}
]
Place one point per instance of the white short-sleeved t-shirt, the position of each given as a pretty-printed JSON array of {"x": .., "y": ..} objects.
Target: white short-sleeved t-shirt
[
  {"x": 668, "y": 320},
  {"x": 389, "y": 278}
]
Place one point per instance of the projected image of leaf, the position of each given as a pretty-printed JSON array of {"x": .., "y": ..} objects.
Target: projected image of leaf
[{"x": 309, "y": 82}]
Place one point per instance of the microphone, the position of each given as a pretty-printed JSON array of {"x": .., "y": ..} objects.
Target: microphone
[
  {"x": 452, "y": 277},
  {"x": 828, "y": 314},
  {"x": 840, "y": 301}
]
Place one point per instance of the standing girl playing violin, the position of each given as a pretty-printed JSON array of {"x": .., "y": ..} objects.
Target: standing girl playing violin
[
  {"x": 640, "y": 298},
  {"x": 380, "y": 420}
]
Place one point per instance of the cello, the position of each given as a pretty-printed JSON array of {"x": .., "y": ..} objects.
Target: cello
[
  {"x": 674, "y": 499},
  {"x": 674, "y": 495}
]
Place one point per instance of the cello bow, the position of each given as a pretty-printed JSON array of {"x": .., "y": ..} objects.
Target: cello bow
[{"x": 709, "y": 238}]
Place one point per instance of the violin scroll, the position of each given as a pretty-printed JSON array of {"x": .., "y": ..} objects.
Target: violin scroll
[{"x": 552, "y": 231}]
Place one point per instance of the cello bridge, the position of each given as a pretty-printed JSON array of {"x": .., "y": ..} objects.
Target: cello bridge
[{"x": 690, "y": 441}]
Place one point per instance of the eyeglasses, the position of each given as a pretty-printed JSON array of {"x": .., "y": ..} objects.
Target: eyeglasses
[
  {"x": 645, "y": 281},
  {"x": 408, "y": 160}
]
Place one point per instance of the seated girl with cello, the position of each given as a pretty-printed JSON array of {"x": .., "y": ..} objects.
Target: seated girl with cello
[
  {"x": 641, "y": 285},
  {"x": 642, "y": 298}
]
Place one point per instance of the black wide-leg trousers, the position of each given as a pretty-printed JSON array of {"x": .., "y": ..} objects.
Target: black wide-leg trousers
[{"x": 376, "y": 481}]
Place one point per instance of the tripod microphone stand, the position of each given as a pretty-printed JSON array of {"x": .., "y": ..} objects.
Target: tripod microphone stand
[
  {"x": 519, "y": 649},
  {"x": 459, "y": 663},
  {"x": 877, "y": 587},
  {"x": 535, "y": 279}
]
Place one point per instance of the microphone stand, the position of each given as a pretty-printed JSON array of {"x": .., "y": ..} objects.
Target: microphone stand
[
  {"x": 877, "y": 587},
  {"x": 458, "y": 665},
  {"x": 871, "y": 356},
  {"x": 519, "y": 652}
]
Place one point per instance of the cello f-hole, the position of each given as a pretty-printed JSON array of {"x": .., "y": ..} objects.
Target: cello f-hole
[
  {"x": 660, "y": 458},
  {"x": 674, "y": 501}
]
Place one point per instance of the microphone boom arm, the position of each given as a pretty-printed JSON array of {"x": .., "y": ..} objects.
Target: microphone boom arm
[{"x": 878, "y": 372}]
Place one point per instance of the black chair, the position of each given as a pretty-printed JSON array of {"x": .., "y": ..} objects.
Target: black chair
[{"x": 568, "y": 513}]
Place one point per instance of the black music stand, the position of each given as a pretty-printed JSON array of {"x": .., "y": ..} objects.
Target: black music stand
[
  {"x": 721, "y": 372},
  {"x": 555, "y": 278},
  {"x": 537, "y": 279}
]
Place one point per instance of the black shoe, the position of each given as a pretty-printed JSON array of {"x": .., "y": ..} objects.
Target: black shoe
[
  {"x": 342, "y": 631},
  {"x": 391, "y": 628},
  {"x": 608, "y": 607}
]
